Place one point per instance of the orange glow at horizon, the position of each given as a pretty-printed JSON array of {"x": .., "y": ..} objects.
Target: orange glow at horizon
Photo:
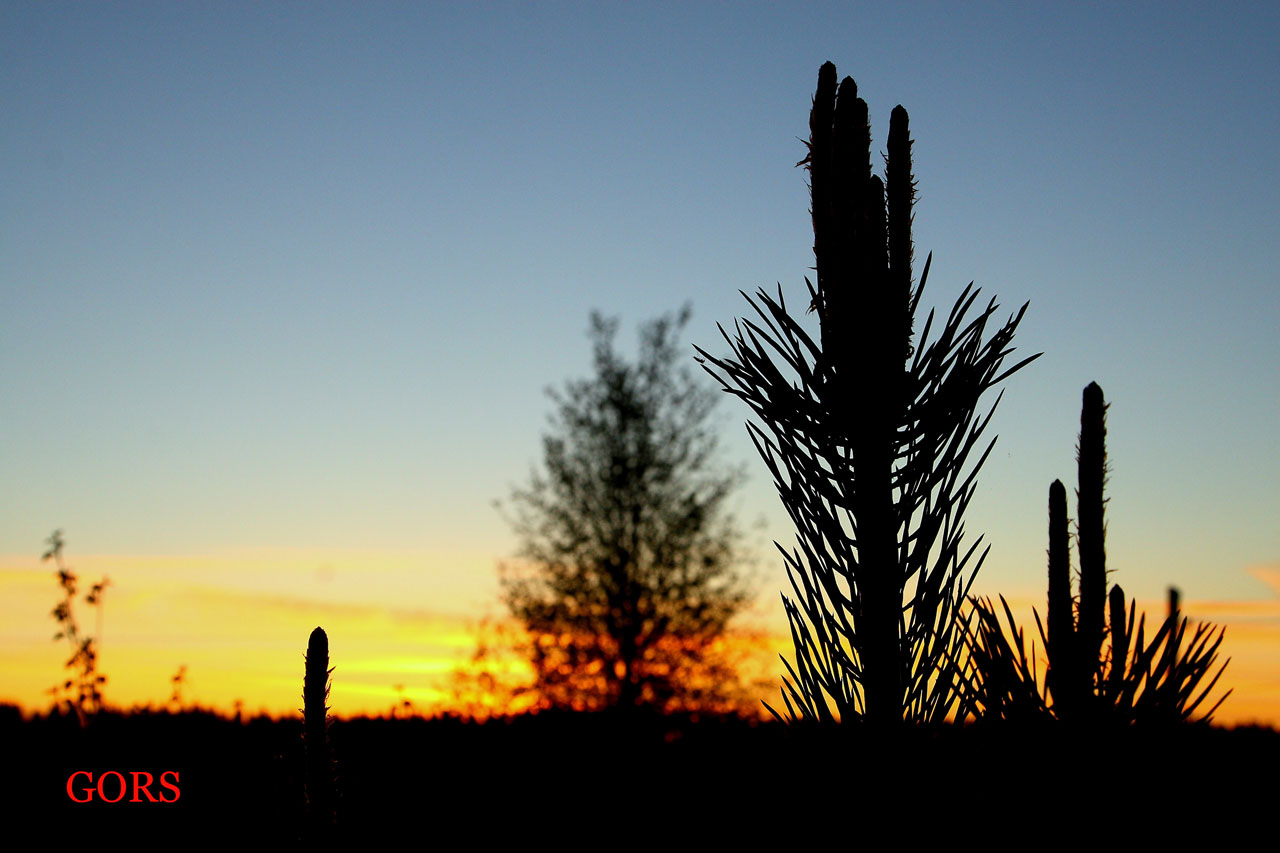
[
  {"x": 242, "y": 636},
  {"x": 241, "y": 631}
]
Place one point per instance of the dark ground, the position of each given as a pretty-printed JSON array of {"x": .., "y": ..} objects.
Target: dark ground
[{"x": 579, "y": 781}]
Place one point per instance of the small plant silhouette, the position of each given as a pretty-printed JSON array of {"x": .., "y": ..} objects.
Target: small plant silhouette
[
  {"x": 82, "y": 692},
  {"x": 402, "y": 705},
  {"x": 1101, "y": 671},
  {"x": 869, "y": 443},
  {"x": 320, "y": 778},
  {"x": 179, "y": 678}
]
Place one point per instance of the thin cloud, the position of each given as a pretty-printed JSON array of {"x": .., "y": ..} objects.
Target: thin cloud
[{"x": 1269, "y": 574}]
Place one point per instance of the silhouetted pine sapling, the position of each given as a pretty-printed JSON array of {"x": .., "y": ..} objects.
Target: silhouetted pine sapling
[
  {"x": 83, "y": 691},
  {"x": 320, "y": 782},
  {"x": 868, "y": 438},
  {"x": 1100, "y": 670}
]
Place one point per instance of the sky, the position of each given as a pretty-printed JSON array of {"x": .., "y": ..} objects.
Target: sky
[{"x": 282, "y": 288}]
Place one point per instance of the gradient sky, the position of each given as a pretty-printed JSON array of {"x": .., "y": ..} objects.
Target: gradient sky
[{"x": 282, "y": 286}]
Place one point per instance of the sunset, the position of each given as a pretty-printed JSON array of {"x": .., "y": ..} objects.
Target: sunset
[
  {"x": 237, "y": 633},
  {"x": 424, "y": 324}
]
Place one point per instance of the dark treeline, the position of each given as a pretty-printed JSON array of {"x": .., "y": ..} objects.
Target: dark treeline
[{"x": 568, "y": 777}]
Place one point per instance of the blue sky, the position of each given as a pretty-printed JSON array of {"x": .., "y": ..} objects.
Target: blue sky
[{"x": 295, "y": 276}]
